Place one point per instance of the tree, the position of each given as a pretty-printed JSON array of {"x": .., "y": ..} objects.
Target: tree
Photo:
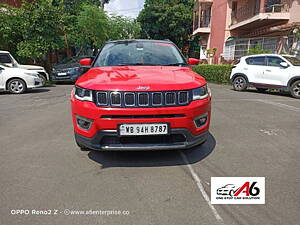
[
  {"x": 167, "y": 19},
  {"x": 123, "y": 28},
  {"x": 39, "y": 27},
  {"x": 257, "y": 50},
  {"x": 91, "y": 27},
  {"x": 9, "y": 35},
  {"x": 103, "y": 2}
]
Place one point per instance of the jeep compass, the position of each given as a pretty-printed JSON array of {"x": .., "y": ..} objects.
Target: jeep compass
[{"x": 140, "y": 95}]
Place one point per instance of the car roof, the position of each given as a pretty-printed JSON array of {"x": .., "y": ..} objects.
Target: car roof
[
  {"x": 269, "y": 54},
  {"x": 139, "y": 40},
  {"x": 3, "y": 51}
]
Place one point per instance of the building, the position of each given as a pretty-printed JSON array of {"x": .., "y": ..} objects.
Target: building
[{"x": 235, "y": 26}]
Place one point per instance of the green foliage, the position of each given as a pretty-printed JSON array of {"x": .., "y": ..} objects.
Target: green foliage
[
  {"x": 121, "y": 27},
  {"x": 167, "y": 19},
  {"x": 42, "y": 26},
  {"x": 9, "y": 33},
  {"x": 38, "y": 24},
  {"x": 91, "y": 28},
  {"x": 258, "y": 50},
  {"x": 214, "y": 73}
]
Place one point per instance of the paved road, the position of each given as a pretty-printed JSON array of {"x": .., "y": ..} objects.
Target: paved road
[{"x": 252, "y": 134}]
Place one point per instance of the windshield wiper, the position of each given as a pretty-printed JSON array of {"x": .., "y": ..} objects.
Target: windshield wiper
[{"x": 175, "y": 64}]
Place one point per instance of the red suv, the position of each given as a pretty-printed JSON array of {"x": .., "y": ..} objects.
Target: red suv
[{"x": 140, "y": 95}]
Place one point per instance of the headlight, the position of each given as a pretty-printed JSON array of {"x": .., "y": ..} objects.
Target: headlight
[
  {"x": 32, "y": 74},
  {"x": 73, "y": 70},
  {"x": 200, "y": 93},
  {"x": 83, "y": 94}
]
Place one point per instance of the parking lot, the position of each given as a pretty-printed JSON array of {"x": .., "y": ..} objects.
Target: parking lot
[{"x": 41, "y": 168}]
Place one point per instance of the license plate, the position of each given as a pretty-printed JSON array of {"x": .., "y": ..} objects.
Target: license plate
[
  {"x": 61, "y": 74},
  {"x": 143, "y": 129}
]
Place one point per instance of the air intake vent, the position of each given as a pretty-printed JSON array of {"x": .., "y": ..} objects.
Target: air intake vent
[
  {"x": 143, "y": 99},
  {"x": 183, "y": 97},
  {"x": 115, "y": 98},
  {"x": 102, "y": 98},
  {"x": 170, "y": 98},
  {"x": 157, "y": 98}
]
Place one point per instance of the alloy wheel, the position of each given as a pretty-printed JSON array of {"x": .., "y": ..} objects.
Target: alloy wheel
[
  {"x": 240, "y": 83},
  {"x": 296, "y": 89}
]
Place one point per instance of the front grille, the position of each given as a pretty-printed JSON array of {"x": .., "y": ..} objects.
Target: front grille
[{"x": 143, "y": 99}]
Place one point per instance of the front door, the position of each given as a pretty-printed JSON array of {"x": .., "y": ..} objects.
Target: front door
[{"x": 274, "y": 73}]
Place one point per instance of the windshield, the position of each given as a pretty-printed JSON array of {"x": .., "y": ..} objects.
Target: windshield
[
  {"x": 295, "y": 61},
  {"x": 139, "y": 53}
]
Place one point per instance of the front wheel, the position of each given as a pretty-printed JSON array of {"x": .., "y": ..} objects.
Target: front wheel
[
  {"x": 240, "y": 83},
  {"x": 44, "y": 80},
  {"x": 16, "y": 86},
  {"x": 295, "y": 89}
]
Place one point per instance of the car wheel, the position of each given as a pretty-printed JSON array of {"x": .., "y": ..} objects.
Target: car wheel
[
  {"x": 16, "y": 86},
  {"x": 295, "y": 89},
  {"x": 44, "y": 80},
  {"x": 82, "y": 148},
  {"x": 240, "y": 83},
  {"x": 261, "y": 89}
]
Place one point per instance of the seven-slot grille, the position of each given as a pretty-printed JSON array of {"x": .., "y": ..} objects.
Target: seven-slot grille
[{"x": 143, "y": 99}]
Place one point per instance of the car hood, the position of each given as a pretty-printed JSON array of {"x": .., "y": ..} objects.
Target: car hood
[
  {"x": 14, "y": 70},
  {"x": 31, "y": 67},
  {"x": 59, "y": 67},
  {"x": 139, "y": 78}
]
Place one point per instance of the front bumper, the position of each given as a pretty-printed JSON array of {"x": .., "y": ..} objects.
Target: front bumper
[
  {"x": 34, "y": 83},
  {"x": 95, "y": 143}
]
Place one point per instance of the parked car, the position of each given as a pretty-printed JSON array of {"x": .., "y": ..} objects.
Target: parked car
[
  {"x": 17, "y": 81},
  {"x": 140, "y": 95},
  {"x": 68, "y": 70},
  {"x": 267, "y": 71},
  {"x": 7, "y": 59}
]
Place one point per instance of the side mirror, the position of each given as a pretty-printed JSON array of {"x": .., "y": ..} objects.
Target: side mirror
[
  {"x": 284, "y": 64},
  {"x": 86, "y": 62},
  {"x": 193, "y": 61}
]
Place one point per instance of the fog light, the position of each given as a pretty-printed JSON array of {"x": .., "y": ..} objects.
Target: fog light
[
  {"x": 84, "y": 123},
  {"x": 200, "y": 121}
]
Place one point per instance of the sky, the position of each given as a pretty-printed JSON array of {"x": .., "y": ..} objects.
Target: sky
[{"x": 129, "y": 8}]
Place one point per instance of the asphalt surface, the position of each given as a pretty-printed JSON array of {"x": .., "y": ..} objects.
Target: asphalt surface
[{"x": 41, "y": 168}]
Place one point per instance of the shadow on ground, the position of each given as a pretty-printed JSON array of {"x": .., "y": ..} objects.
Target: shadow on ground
[
  {"x": 153, "y": 158},
  {"x": 29, "y": 91},
  {"x": 268, "y": 92}
]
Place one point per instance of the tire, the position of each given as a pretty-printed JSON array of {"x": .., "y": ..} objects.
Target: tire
[
  {"x": 16, "y": 86},
  {"x": 240, "y": 83},
  {"x": 82, "y": 148},
  {"x": 261, "y": 89},
  {"x": 295, "y": 89},
  {"x": 44, "y": 80}
]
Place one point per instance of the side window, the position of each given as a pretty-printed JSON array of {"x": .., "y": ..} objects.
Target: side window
[
  {"x": 274, "y": 61},
  {"x": 258, "y": 61},
  {"x": 4, "y": 58}
]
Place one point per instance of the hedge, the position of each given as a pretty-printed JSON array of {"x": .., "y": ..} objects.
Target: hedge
[{"x": 214, "y": 73}]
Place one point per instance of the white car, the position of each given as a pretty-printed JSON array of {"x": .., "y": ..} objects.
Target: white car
[
  {"x": 267, "y": 71},
  {"x": 17, "y": 81},
  {"x": 7, "y": 59}
]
